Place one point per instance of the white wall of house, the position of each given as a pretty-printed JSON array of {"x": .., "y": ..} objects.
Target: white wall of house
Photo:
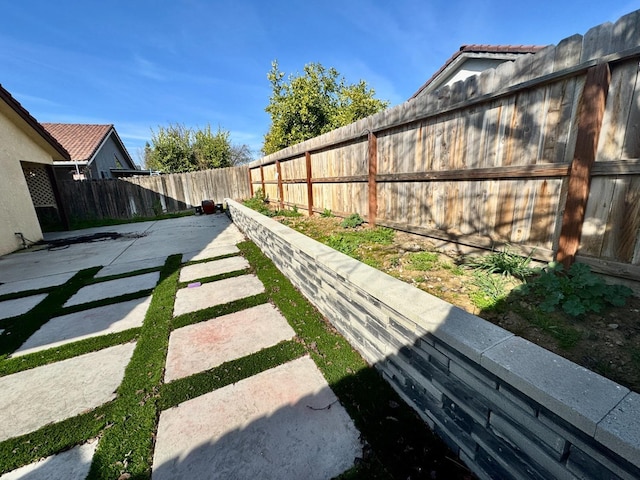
[{"x": 17, "y": 213}]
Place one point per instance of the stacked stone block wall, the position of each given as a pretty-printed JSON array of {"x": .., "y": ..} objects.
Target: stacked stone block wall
[{"x": 508, "y": 408}]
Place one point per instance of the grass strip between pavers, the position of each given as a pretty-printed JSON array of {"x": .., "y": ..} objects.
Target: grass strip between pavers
[
  {"x": 68, "y": 350},
  {"x": 52, "y": 439},
  {"x": 215, "y": 278},
  {"x": 219, "y": 310},
  {"x": 230, "y": 372},
  {"x": 127, "y": 446},
  {"x": 398, "y": 437}
]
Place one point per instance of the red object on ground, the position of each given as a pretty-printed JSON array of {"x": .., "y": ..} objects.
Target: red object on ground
[{"x": 208, "y": 207}]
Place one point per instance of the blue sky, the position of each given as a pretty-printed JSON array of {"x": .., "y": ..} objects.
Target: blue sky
[{"x": 142, "y": 64}]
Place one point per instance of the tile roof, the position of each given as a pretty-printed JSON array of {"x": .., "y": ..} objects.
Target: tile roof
[
  {"x": 81, "y": 140},
  {"x": 32, "y": 122},
  {"x": 475, "y": 48}
]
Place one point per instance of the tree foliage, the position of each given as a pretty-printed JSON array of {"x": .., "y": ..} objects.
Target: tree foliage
[
  {"x": 314, "y": 103},
  {"x": 176, "y": 149}
]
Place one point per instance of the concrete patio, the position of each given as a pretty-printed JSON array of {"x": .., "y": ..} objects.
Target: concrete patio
[{"x": 270, "y": 425}]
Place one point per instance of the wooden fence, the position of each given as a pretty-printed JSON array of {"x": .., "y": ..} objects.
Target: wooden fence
[
  {"x": 542, "y": 153},
  {"x": 149, "y": 196}
]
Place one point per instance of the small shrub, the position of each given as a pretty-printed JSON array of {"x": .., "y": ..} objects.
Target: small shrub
[
  {"x": 326, "y": 213},
  {"x": 576, "y": 291},
  {"x": 505, "y": 262},
  {"x": 352, "y": 221},
  {"x": 259, "y": 203}
]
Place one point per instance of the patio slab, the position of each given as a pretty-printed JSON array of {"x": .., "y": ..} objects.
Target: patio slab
[
  {"x": 215, "y": 267},
  {"x": 274, "y": 425},
  {"x": 88, "y": 323},
  {"x": 114, "y": 288},
  {"x": 206, "y": 345},
  {"x": 18, "y": 306},
  {"x": 120, "y": 268},
  {"x": 35, "y": 283},
  {"x": 182, "y": 235},
  {"x": 34, "y": 398},
  {"x": 73, "y": 464},
  {"x": 216, "y": 293}
]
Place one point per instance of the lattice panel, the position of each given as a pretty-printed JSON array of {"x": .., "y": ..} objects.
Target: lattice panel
[{"x": 39, "y": 185}]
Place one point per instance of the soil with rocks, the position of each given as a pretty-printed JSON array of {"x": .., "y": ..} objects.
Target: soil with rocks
[{"x": 607, "y": 342}]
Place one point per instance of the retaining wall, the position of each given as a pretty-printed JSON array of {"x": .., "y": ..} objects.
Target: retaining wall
[{"x": 508, "y": 408}]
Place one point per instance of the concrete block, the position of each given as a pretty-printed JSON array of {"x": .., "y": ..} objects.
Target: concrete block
[
  {"x": 584, "y": 466},
  {"x": 469, "y": 335},
  {"x": 579, "y": 395},
  {"x": 202, "y": 346},
  {"x": 212, "y": 268},
  {"x": 34, "y": 283},
  {"x": 620, "y": 429},
  {"x": 120, "y": 268},
  {"x": 19, "y": 306},
  {"x": 531, "y": 433},
  {"x": 114, "y": 288},
  {"x": 216, "y": 293}
]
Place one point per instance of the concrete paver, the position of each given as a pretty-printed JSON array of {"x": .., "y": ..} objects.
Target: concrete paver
[
  {"x": 215, "y": 267},
  {"x": 35, "y": 283},
  {"x": 216, "y": 293},
  {"x": 120, "y": 268},
  {"x": 206, "y": 345},
  {"x": 18, "y": 306},
  {"x": 114, "y": 288},
  {"x": 86, "y": 324},
  {"x": 274, "y": 425},
  {"x": 33, "y": 398},
  {"x": 73, "y": 464},
  {"x": 215, "y": 251}
]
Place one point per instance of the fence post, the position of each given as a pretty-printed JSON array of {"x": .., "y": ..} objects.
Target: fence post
[
  {"x": 590, "y": 114},
  {"x": 250, "y": 183},
  {"x": 264, "y": 192},
  {"x": 280, "y": 189},
  {"x": 373, "y": 172},
  {"x": 307, "y": 157}
]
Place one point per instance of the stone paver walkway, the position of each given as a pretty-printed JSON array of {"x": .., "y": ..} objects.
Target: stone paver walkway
[{"x": 284, "y": 423}]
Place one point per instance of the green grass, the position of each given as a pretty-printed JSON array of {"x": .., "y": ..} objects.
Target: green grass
[
  {"x": 127, "y": 446},
  {"x": 351, "y": 243},
  {"x": 397, "y": 438},
  {"x": 423, "y": 261},
  {"x": 400, "y": 441},
  {"x": 505, "y": 262}
]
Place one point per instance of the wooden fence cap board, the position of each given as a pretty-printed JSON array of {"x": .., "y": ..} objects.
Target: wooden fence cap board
[
  {"x": 568, "y": 52},
  {"x": 626, "y": 32},
  {"x": 597, "y": 42}
]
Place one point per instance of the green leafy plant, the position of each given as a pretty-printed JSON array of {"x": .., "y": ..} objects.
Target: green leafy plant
[
  {"x": 423, "y": 261},
  {"x": 289, "y": 213},
  {"x": 352, "y": 221},
  {"x": 259, "y": 203},
  {"x": 327, "y": 213},
  {"x": 492, "y": 289},
  {"x": 576, "y": 291},
  {"x": 349, "y": 242},
  {"x": 506, "y": 262}
]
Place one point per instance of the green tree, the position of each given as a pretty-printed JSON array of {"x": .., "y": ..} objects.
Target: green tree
[
  {"x": 314, "y": 103},
  {"x": 176, "y": 149}
]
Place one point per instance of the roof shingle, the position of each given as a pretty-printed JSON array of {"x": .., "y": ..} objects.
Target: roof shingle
[{"x": 81, "y": 140}]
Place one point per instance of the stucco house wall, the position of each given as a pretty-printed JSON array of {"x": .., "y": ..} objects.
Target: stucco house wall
[{"x": 17, "y": 213}]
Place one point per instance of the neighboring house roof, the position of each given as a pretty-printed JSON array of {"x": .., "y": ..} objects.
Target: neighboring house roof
[
  {"x": 467, "y": 52},
  {"x": 81, "y": 140},
  {"x": 18, "y": 109}
]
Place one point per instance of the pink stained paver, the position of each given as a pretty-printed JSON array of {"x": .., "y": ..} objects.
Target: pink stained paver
[
  {"x": 206, "y": 345},
  {"x": 216, "y": 293},
  {"x": 284, "y": 423}
]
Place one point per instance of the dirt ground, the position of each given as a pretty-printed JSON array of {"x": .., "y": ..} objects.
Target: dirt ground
[{"x": 607, "y": 343}]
